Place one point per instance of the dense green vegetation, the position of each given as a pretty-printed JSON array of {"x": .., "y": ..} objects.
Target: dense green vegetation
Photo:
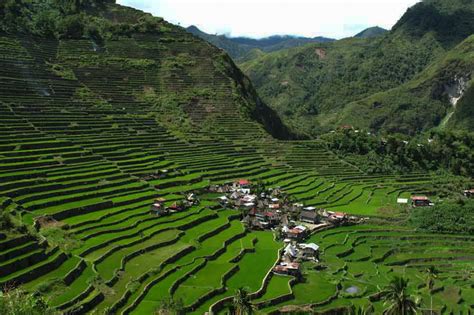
[
  {"x": 392, "y": 153},
  {"x": 446, "y": 218},
  {"x": 75, "y": 19},
  {"x": 381, "y": 83}
]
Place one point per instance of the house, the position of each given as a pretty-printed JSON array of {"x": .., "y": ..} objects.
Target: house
[
  {"x": 420, "y": 201},
  {"x": 235, "y": 195},
  {"x": 242, "y": 185},
  {"x": 223, "y": 200},
  {"x": 287, "y": 269},
  {"x": 274, "y": 206},
  {"x": 337, "y": 217},
  {"x": 469, "y": 193},
  {"x": 295, "y": 207},
  {"x": 290, "y": 251},
  {"x": 267, "y": 219},
  {"x": 248, "y": 205},
  {"x": 175, "y": 207},
  {"x": 309, "y": 216},
  {"x": 272, "y": 217},
  {"x": 158, "y": 206},
  {"x": 249, "y": 198},
  {"x": 309, "y": 251},
  {"x": 402, "y": 200},
  {"x": 296, "y": 233}
]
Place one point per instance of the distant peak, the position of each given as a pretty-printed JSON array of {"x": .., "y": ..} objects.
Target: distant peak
[{"x": 371, "y": 32}]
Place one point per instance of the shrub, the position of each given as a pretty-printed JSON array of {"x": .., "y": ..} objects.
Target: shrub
[
  {"x": 18, "y": 302},
  {"x": 70, "y": 27}
]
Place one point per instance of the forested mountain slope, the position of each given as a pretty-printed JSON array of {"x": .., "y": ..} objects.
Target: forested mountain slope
[
  {"x": 159, "y": 53},
  {"x": 311, "y": 86},
  {"x": 426, "y": 101}
]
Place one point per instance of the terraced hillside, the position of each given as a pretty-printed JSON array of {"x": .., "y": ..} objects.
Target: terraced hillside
[
  {"x": 92, "y": 133},
  {"x": 361, "y": 260}
]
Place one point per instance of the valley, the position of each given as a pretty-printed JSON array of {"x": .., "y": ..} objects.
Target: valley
[{"x": 95, "y": 131}]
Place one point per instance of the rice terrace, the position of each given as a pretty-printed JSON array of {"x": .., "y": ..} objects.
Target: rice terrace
[{"x": 141, "y": 172}]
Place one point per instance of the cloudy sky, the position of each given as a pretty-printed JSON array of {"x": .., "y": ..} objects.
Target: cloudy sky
[{"x": 260, "y": 18}]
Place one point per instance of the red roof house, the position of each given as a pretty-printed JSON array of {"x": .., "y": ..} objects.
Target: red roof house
[
  {"x": 420, "y": 201},
  {"x": 243, "y": 182}
]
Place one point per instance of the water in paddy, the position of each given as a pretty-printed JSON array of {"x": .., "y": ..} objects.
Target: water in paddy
[{"x": 352, "y": 290}]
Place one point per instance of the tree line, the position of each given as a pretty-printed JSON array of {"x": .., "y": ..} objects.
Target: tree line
[
  {"x": 68, "y": 19},
  {"x": 396, "y": 153}
]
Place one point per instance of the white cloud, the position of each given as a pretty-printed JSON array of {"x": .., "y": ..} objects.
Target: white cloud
[{"x": 259, "y": 18}]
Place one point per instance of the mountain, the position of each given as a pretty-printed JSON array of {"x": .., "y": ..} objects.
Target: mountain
[
  {"x": 439, "y": 96},
  {"x": 239, "y": 47},
  {"x": 105, "y": 28},
  {"x": 313, "y": 87},
  {"x": 371, "y": 32}
]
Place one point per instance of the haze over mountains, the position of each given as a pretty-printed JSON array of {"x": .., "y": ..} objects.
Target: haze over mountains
[{"x": 245, "y": 48}]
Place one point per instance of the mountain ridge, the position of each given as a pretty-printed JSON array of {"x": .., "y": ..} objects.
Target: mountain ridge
[
  {"x": 240, "y": 47},
  {"x": 311, "y": 86}
]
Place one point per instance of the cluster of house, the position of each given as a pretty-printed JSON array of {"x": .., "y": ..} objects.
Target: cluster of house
[
  {"x": 160, "y": 208},
  {"x": 270, "y": 208},
  {"x": 416, "y": 201}
]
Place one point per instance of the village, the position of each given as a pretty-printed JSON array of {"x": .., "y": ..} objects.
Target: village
[
  {"x": 272, "y": 209},
  {"x": 269, "y": 209}
]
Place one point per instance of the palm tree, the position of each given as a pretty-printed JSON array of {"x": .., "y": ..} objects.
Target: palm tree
[
  {"x": 431, "y": 275},
  {"x": 241, "y": 303},
  {"x": 397, "y": 298}
]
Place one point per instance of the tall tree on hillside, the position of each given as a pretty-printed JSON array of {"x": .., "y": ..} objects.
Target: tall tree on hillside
[
  {"x": 241, "y": 303},
  {"x": 397, "y": 298},
  {"x": 431, "y": 275}
]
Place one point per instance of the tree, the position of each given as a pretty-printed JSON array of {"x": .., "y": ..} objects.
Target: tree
[
  {"x": 170, "y": 307},
  {"x": 431, "y": 275},
  {"x": 241, "y": 302},
  {"x": 397, "y": 298},
  {"x": 71, "y": 27}
]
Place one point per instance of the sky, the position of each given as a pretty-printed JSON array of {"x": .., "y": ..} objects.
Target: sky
[{"x": 261, "y": 18}]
